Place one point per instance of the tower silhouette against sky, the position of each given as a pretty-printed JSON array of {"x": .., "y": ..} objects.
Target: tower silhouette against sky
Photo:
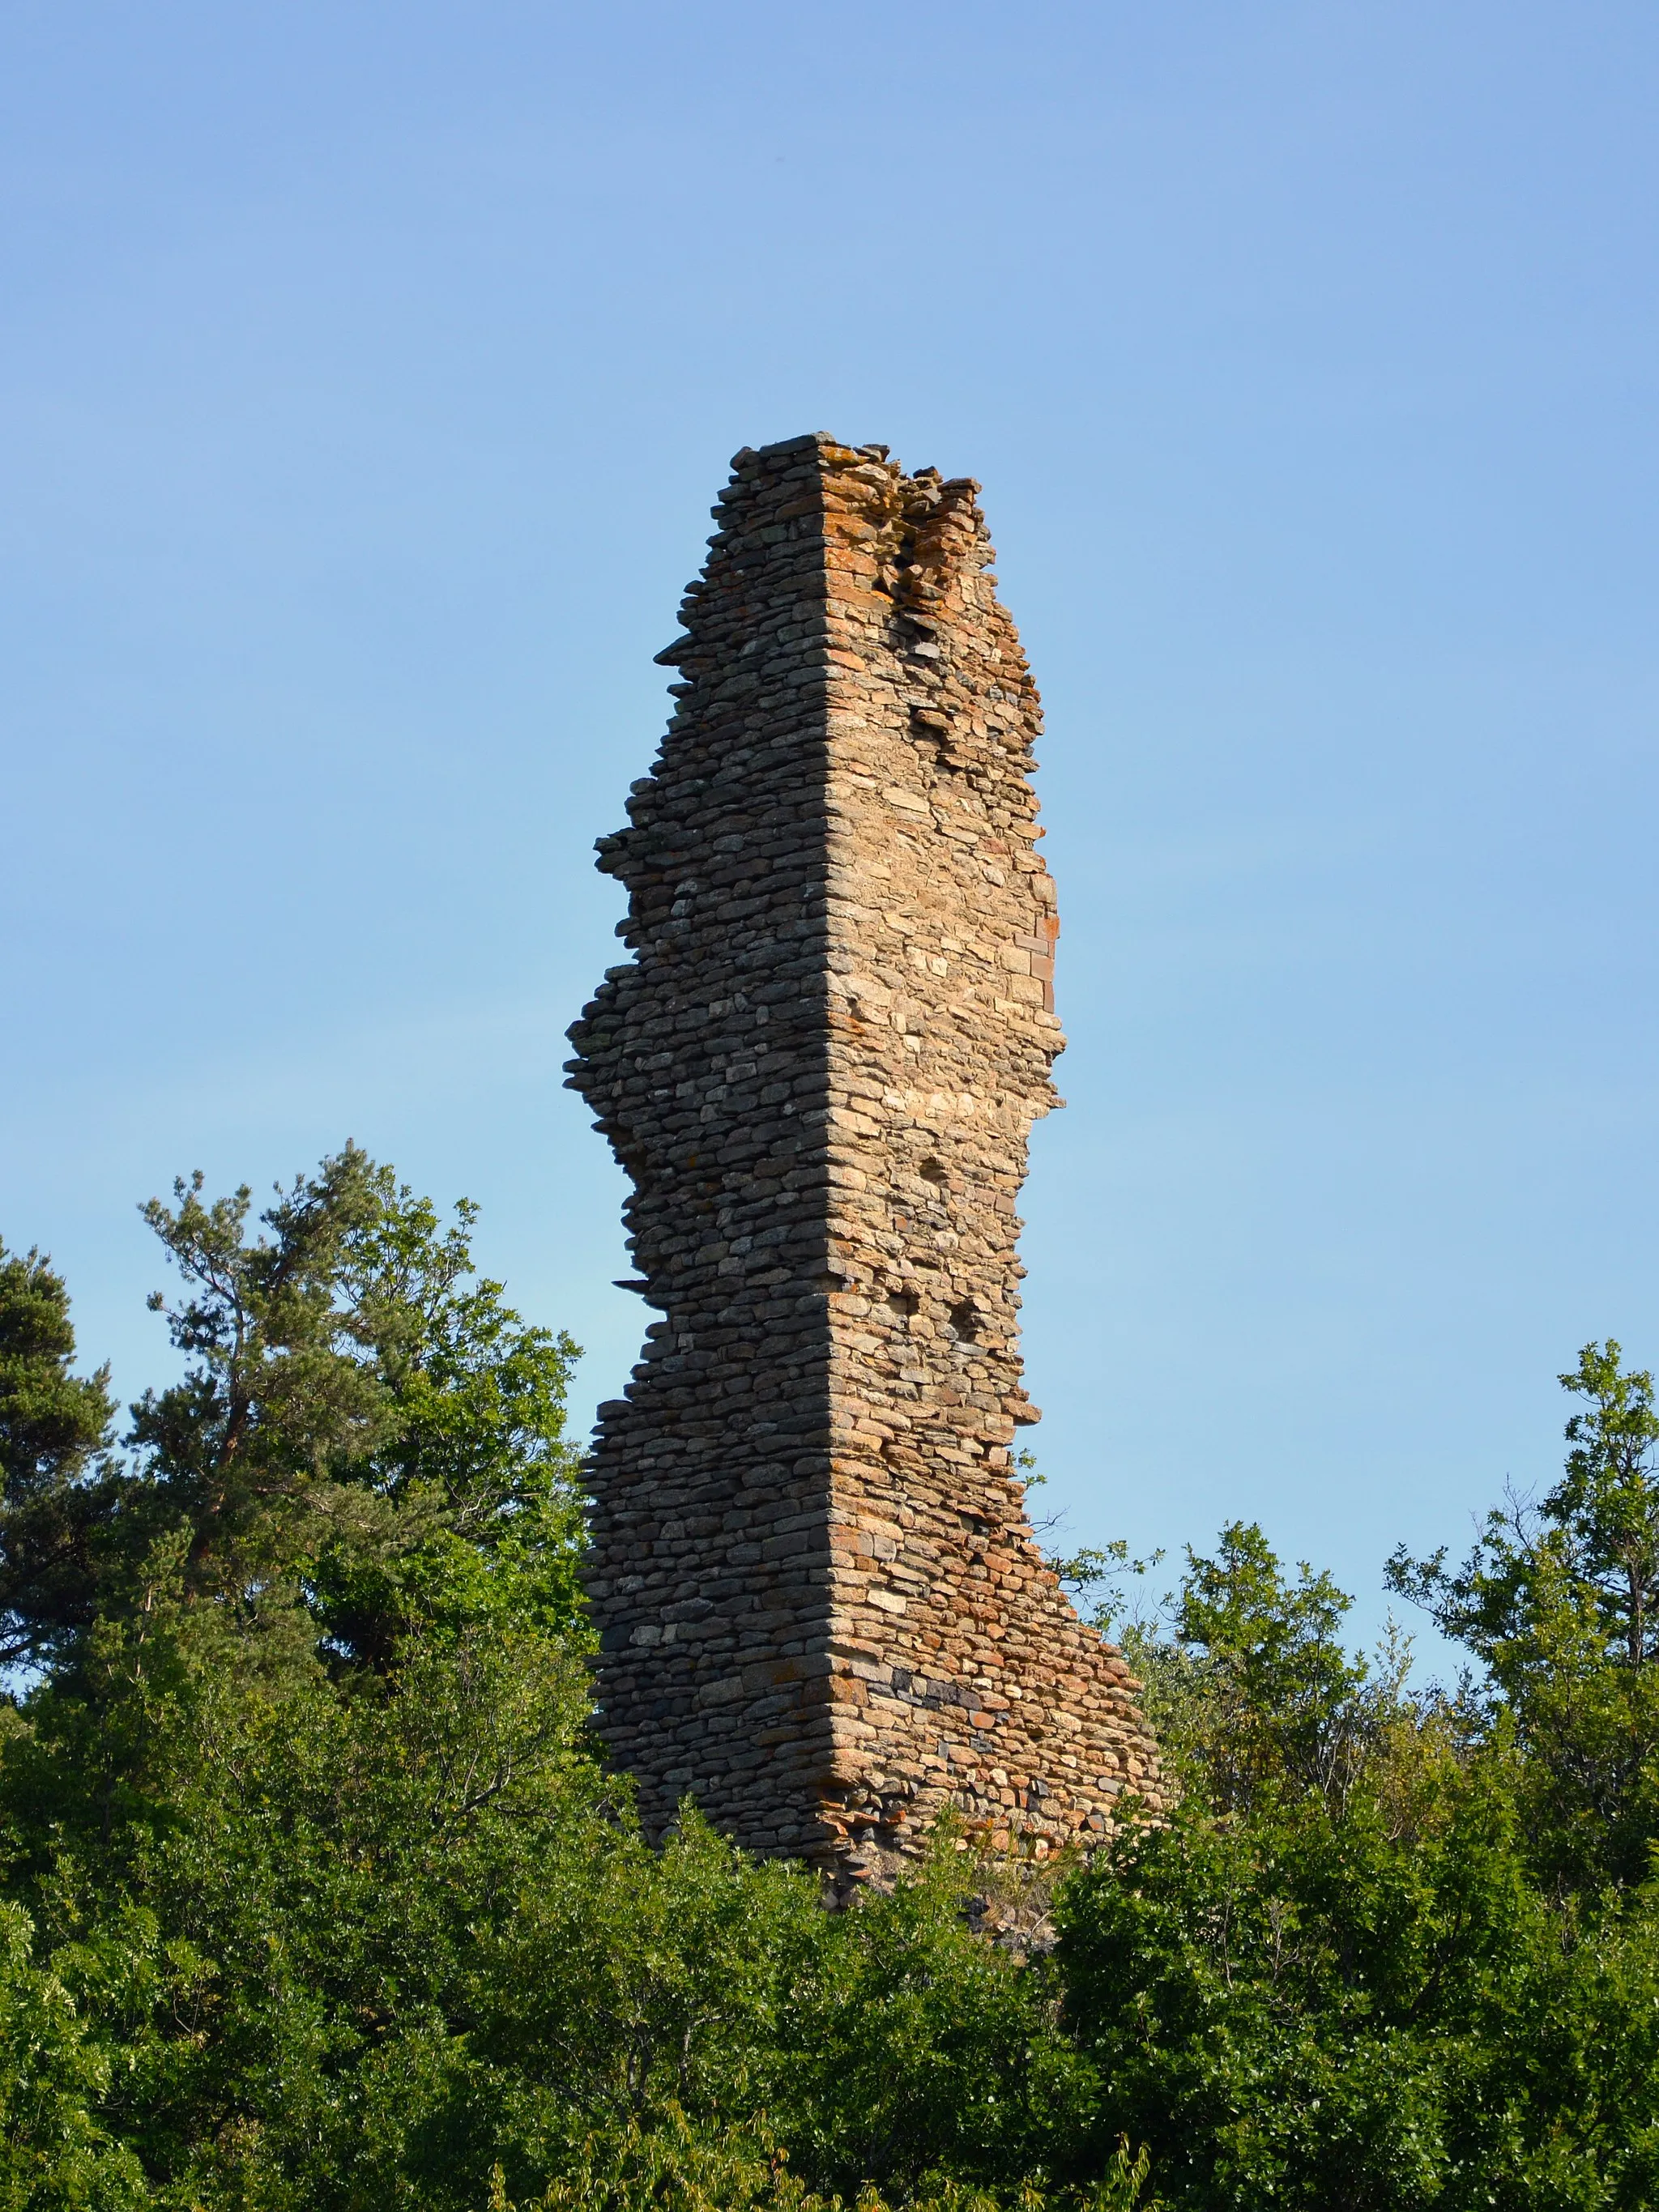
[{"x": 822, "y": 1610}]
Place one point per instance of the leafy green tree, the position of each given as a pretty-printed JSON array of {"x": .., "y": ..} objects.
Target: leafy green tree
[
  {"x": 1245, "y": 1677},
  {"x": 681, "y": 2168},
  {"x": 327, "y": 1609},
  {"x": 1560, "y": 1601},
  {"x": 58, "y": 2065},
  {"x": 1308, "y": 2009},
  {"x": 315, "y": 1895},
  {"x": 366, "y": 1434},
  {"x": 328, "y": 1867},
  {"x": 1332, "y": 1977},
  {"x": 54, "y": 1434},
  {"x": 908, "y": 2046},
  {"x": 1283, "y": 1695}
]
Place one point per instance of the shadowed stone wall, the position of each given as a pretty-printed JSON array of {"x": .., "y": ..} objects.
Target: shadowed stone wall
[{"x": 822, "y": 1610}]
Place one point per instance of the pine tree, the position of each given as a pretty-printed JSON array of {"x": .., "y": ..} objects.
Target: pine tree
[{"x": 55, "y": 1470}]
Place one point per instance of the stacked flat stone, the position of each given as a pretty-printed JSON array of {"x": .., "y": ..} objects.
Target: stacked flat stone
[{"x": 821, "y": 1611}]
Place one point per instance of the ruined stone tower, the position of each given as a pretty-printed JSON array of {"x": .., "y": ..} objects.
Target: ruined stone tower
[{"x": 822, "y": 1610}]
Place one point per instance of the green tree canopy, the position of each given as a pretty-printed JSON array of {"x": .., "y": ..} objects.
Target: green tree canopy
[
  {"x": 365, "y": 1433},
  {"x": 1560, "y": 1601},
  {"x": 316, "y": 1894},
  {"x": 55, "y": 1429}
]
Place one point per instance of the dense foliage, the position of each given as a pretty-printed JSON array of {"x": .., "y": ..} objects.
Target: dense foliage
[{"x": 314, "y": 1895}]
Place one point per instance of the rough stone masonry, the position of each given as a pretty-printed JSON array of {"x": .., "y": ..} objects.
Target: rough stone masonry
[{"x": 823, "y": 1612}]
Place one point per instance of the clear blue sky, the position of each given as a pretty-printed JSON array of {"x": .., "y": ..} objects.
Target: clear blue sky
[{"x": 367, "y": 372}]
